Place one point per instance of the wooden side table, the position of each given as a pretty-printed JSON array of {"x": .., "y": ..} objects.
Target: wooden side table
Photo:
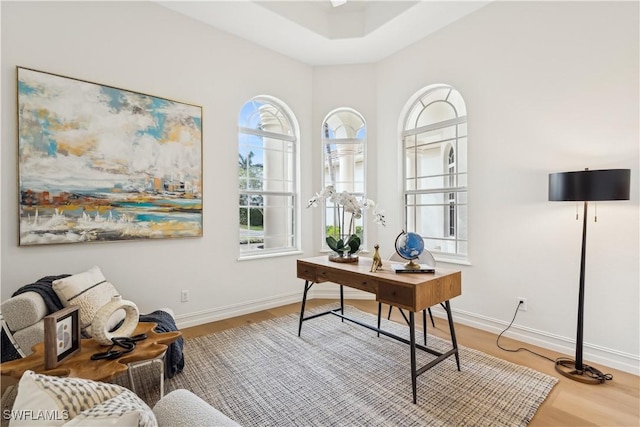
[{"x": 80, "y": 364}]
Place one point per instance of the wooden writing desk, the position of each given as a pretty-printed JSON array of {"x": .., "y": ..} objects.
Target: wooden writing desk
[{"x": 412, "y": 291}]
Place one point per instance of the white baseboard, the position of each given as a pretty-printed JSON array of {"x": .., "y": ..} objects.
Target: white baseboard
[
  {"x": 594, "y": 354},
  {"x": 212, "y": 315}
]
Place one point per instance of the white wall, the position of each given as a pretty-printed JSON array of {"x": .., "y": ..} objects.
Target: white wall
[
  {"x": 144, "y": 47},
  {"x": 549, "y": 87}
]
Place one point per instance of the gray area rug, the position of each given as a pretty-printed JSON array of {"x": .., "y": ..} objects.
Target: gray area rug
[{"x": 342, "y": 374}]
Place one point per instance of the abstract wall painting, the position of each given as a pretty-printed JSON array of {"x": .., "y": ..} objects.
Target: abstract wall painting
[{"x": 98, "y": 163}]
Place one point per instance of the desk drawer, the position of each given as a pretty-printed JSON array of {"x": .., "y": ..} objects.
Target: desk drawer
[
  {"x": 401, "y": 296},
  {"x": 356, "y": 281},
  {"x": 307, "y": 272}
]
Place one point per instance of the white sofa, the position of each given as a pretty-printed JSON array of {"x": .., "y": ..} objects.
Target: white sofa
[
  {"x": 183, "y": 408},
  {"x": 22, "y": 320},
  {"x": 22, "y": 315},
  {"x": 67, "y": 402}
]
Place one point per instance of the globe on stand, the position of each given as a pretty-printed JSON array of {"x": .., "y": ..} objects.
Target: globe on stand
[{"x": 409, "y": 246}]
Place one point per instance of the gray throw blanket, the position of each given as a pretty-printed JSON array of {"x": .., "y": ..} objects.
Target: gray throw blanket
[{"x": 174, "y": 359}]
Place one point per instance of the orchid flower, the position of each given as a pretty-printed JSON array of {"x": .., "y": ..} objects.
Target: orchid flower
[{"x": 346, "y": 202}]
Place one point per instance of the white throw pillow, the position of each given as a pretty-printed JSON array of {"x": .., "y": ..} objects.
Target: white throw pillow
[
  {"x": 89, "y": 291},
  {"x": 44, "y": 400},
  {"x": 35, "y": 407},
  {"x": 125, "y": 409}
]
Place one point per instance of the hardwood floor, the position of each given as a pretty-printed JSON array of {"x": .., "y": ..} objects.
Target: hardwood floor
[{"x": 570, "y": 403}]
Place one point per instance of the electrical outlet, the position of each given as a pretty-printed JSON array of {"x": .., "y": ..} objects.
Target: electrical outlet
[
  {"x": 184, "y": 296},
  {"x": 522, "y": 304}
]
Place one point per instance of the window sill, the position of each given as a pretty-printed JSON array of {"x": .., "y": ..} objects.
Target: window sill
[
  {"x": 447, "y": 260},
  {"x": 269, "y": 255}
]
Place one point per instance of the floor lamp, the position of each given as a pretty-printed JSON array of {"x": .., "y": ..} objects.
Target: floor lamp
[{"x": 585, "y": 186}]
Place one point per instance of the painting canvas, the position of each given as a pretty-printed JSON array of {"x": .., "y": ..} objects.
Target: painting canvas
[{"x": 97, "y": 163}]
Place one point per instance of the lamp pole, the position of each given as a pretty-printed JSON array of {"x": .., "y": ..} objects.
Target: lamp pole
[{"x": 579, "y": 337}]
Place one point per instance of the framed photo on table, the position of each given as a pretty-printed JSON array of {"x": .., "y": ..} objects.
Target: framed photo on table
[{"x": 61, "y": 336}]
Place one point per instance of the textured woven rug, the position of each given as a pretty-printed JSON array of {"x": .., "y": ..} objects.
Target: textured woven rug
[{"x": 342, "y": 374}]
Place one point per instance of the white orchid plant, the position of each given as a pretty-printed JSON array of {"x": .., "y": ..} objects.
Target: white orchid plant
[{"x": 346, "y": 203}]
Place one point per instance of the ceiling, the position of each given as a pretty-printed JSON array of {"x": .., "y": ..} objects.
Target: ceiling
[{"x": 316, "y": 33}]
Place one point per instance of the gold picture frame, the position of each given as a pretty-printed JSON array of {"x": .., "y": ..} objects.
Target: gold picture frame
[
  {"x": 97, "y": 163},
  {"x": 61, "y": 336}
]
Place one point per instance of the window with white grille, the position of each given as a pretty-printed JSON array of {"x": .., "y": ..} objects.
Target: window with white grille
[
  {"x": 267, "y": 144},
  {"x": 434, "y": 142},
  {"x": 344, "y": 137}
]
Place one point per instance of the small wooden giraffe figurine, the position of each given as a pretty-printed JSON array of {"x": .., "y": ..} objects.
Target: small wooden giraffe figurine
[{"x": 377, "y": 261}]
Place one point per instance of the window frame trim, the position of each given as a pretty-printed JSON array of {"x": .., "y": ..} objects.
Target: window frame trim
[
  {"x": 325, "y": 140},
  {"x": 295, "y": 172},
  {"x": 414, "y": 100}
]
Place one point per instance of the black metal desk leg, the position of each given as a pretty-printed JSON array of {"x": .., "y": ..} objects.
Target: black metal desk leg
[
  {"x": 412, "y": 339},
  {"x": 453, "y": 332},
  {"x": 307, "y": 286},
  {"x": 431, "y": 317},
  {"x": 379, "y": 316},
  {"x": 342, "y": 301},
  {"x": 424, "y": 325}
]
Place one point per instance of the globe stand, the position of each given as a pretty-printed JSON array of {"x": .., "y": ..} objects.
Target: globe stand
[{"x": 412, "y": 265}]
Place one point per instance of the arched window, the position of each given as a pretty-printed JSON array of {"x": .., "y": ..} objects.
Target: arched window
[
  {"x": 344, "y": 136},
  {"x": 267, "y": 144},
  {"x": 435, "y": 170}
]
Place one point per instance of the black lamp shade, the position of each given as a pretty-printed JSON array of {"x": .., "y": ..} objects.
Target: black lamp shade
[{"x": 588, "y": 185}]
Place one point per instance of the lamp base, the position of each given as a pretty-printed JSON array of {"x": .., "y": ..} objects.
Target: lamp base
[{"x": 588, "y": 374}]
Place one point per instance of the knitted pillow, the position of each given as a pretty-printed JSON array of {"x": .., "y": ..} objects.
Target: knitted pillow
[
  {"x": 125, "y": 409},
  {"x": 45, "y": 400},
  {"x": 89, "y": 291}
]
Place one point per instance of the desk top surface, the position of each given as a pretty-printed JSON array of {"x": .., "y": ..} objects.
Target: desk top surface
[
  {"x": 413, "y": 291},
  {"x": 363, "y": 266}
]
